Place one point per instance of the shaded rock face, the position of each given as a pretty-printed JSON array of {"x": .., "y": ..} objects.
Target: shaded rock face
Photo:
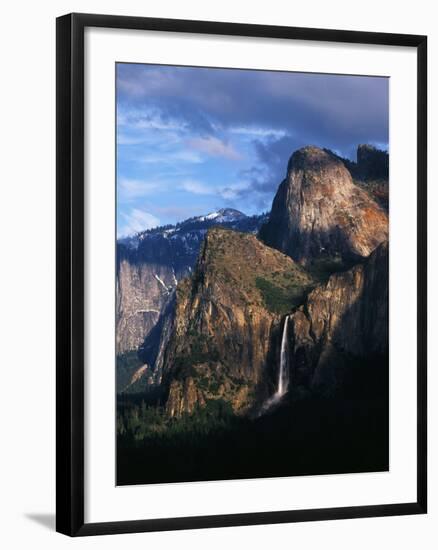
[
  {"x": 153, "y": 348},
  {"x": 345, "y": 318},
  {"x": 141, "y": 293},
  {"x": 318, "y": 212},
  {"x": 371, "y": 172},
  {"x": 204, "y": 306},
  {"x": 222, "y": 330}
]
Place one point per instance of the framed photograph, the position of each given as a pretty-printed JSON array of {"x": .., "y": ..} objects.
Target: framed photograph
[{"x": 241, "y": 274}]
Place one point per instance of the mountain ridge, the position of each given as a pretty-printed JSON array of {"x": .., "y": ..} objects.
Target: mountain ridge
[
  {"x": 148, "y": 270},
  {"x": 319, "y": 213},
  {"x": 223, "y": 216},
  {"x": 223, "y": 321},
  {"x": 227, "y": 323}
]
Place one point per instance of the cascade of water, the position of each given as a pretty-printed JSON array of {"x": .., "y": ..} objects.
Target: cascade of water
[{"x": 283, "y": 375}]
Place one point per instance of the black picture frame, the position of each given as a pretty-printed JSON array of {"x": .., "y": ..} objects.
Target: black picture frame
[{"x": 70, "y": 273}]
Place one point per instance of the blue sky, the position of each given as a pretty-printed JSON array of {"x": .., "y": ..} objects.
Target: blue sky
[{"x": 192, "y": 140}]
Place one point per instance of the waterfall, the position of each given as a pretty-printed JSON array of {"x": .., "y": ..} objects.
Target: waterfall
[{"x": 283, "y": 375}]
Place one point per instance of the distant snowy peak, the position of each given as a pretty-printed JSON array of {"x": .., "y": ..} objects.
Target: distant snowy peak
[
  {"x": 196, "y": 227},
  {"x": 224, "y": 215}
]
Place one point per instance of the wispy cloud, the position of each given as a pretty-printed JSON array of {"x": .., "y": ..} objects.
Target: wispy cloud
[
  {"x": 135, "y": 188},
  {"x": 125, "y": 139},
  {"x": 171, "y": 157},
  {"x": 147, "y": 81},
  {"x": 199, "y": 138},
  {"x": 234, "y": 191},
  {"x": 227, "y": 192},
  {"x": 148, "y": 118},
  {"x": 215, "y": 147},
  {"x": 136, "y": 220},
  {"x": 336, "y": 109},
  {"x": 254, "y": 131},
  {"x": 197, "y": 187}
]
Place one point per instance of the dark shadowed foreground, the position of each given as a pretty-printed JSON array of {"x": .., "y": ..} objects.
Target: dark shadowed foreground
[{"x": 306, "y": 435}]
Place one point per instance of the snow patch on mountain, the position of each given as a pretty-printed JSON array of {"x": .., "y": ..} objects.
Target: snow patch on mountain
[
  {"x": 161, "y": 282},
  {"x": 194, "y": 229}
]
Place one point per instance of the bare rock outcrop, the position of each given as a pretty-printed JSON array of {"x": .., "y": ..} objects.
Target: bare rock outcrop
[
  {"x": 318, "y": 212},
  {"x": 142, "y": 291},
  {"x": 344, "y": 319},
  {"x": 224, "y": 318},
  {"x": 150, "y": 264}
]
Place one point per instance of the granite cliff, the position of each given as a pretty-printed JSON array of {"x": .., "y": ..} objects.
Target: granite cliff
[
  {"x": 255, "y": 348},
  {"x": 371, "y": 172},
  {"x": 340, "y": 323},
  {"x": 150, "y": 264},
  {"x": 203, "y": 304},
  {"x": 227, "y": 315},
  {"x": 142, "y": 289},
  {"x": 319, "y": 214}
]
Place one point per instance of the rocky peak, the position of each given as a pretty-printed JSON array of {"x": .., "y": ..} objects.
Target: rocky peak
[
  {"x": 150, "y": 264},
  {"x": 319, "y": 213},
  {"x": 311, "y": 157},
  {"x": 225, "y": 215},
  {"x": 225, "y": 314}
]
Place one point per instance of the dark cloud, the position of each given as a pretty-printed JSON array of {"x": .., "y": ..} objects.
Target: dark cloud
[
  {"x": 275, "y": 112},
  {"x": 340, "y": 111}
]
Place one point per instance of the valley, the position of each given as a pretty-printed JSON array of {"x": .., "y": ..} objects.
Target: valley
[{"x": 258, "y": 346}]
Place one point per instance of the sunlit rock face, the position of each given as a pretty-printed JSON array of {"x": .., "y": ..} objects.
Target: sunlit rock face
[
  {"x": 223, "y": 325},
  {"x": 216, "y": 313},
  {"x": 318, "y": 212}
]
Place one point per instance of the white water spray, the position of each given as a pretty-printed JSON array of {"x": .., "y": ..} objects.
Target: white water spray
[
  {"x": 283, "y": 372},
  {"x": 283, "y": 375}
]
